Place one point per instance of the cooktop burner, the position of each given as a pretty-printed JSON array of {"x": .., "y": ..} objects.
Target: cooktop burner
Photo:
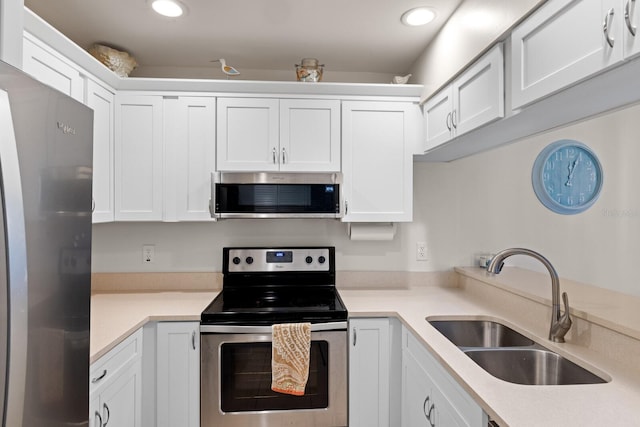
[{"x": 277, "y": 285}]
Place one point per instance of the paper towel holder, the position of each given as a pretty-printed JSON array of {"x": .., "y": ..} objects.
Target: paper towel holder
[{"x": 371, "y": 231}]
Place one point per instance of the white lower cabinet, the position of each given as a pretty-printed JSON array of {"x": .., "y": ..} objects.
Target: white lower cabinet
[
  {"x": 369, "y": 349},
  {"x": 430, "y": 397},
  {"x": 115, "y": 389},
  {"x": 178, "y": 374}
]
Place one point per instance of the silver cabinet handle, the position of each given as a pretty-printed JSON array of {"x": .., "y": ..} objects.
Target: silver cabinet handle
[
  {"x": 284, "y": 156},
  {"x": 106, "y": 408},
  {"x": 346, "y": 207},
  {"x": 448, "y": 121},
  {"x": 355, "y": 337},
  {"x": 627, "y": 17},
  {"x": 96, "y": 379},
  {"x": 274, "y": 155},
  {"x": 605, "y": 27},
  {"x": 99, "y": 418},
  {"x": 193, "y": 339},
  {"x": 454, "y": 121},
  {"x": 93, "y": 205}
]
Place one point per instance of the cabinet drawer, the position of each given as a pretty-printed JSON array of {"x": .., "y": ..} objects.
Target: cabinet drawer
[{"x": 116, "y": 360}]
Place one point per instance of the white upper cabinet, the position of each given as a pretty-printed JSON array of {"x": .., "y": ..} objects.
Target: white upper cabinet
[
  {"x": 475, "y": 98},
  {"x": 310, "y": 135},
  {"x": 378, "y": 143},
  {"x": 102, "y": 101},
  {"x": 190, "y": 141},
  {"x": 264, "y": 134},
  {"x": 50, "y": 68},
  {"x": 247, "y": 134},
  {"x": 562, "y": 43},
  {"x": 138, "y": 158}
]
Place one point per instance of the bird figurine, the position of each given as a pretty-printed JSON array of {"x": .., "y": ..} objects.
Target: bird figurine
[
  {"x": 227, "y": 69},
  {"x": 400, "y": 80}
]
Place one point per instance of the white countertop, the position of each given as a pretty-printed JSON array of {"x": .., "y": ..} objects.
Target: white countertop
[{"x": 115, "y": 315}]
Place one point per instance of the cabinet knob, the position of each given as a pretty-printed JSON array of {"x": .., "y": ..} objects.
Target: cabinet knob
[
  {"x": 355, "y": 337},
  {"x": 193, "y": 339},
  {"x": 274, "y": 155},
  {"x": 284, "y": 156}
]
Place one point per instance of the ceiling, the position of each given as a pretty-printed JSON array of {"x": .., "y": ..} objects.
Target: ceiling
[{"x": 345, "y": 35}]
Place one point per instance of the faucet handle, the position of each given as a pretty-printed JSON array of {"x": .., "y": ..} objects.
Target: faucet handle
[{"x": 565, "y": 301}]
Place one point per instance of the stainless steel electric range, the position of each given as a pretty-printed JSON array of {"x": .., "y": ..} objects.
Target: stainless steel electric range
[{"x": 261, "y": 287}]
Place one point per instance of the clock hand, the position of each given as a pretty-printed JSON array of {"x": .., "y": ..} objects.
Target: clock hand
[{"x": 572, "y": 167}]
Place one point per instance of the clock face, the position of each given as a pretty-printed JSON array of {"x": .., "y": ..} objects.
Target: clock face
[{"x": 567, "y": 177}]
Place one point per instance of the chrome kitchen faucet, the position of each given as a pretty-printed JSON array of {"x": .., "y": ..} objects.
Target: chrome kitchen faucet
[{"x": 560, "y": 324}]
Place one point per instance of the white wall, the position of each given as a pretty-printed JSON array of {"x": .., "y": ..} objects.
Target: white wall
[{"x": 493, "y": 206}]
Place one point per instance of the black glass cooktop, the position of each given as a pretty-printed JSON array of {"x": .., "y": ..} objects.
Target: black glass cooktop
[{"x": 268, "y": 306}]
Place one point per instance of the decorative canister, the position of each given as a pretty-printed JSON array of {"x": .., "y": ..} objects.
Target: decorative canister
[{"x": 309, "y": 70}]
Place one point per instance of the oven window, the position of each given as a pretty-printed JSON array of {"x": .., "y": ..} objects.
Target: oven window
[{"x": 246, "y": 379}]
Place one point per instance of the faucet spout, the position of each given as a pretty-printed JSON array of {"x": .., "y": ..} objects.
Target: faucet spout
[{"x": 560, "y": 324}]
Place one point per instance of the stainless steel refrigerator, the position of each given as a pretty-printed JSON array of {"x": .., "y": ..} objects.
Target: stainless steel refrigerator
[{"x": 45, "y": 261}]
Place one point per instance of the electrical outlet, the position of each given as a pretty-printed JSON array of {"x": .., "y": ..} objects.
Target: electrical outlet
[
  {"x": 148, "y": 254},
  {"x": 421, "y": 251}
]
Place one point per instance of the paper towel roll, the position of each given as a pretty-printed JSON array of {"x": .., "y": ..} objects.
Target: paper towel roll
[{"x": 372, "y": 231}]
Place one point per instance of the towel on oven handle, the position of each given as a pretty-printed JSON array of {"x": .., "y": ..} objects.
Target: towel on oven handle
[{"x": 290, "y": 349}]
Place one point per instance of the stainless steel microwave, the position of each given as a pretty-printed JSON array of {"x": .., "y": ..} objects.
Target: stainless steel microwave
[{"x": 275, "y": 195}]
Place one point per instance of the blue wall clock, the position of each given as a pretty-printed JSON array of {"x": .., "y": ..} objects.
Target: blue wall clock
[{"x": 567, "y": 177}]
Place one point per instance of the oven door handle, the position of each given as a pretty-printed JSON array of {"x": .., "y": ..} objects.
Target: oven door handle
[{"x": 238, "y": 329}]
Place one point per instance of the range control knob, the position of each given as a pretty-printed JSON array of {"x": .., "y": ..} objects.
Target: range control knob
[
  {"x": 321, "y": 259},
  {"x": 249, "y": 260},
  {"x": 236, "y": 260},
  {"x": 308, "y": 260}
]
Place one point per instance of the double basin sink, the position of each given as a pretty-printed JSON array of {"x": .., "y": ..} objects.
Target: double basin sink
[{"x": 511, "y": 356}]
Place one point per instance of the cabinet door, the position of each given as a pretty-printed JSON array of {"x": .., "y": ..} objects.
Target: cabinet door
[
  {"x": 138, "y": 158},
  {"x": 189, "y": 138},
  {"x": 178, "y": 374},
  {"x": 632, "y": 22},
  {"x": 562, "y": 43},
  {"x": 378, "y": 143},
  {"x": 309, "y": 135},
  {"x": 121, "y": 399},
  {"x": 369, "y": 372},
  {"x": 247, "y": 135},
  {"x": 478, "y": 94},
  {"x": 417, "y": 397},
  {"x": 46, "y": 66},
  {"x": 102, "y": 102},
  {"x": 438, "y": 118}
]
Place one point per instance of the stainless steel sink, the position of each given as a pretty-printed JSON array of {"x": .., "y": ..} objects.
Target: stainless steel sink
[
  {"x": 511, "y": 356},
  {"x": 480, "y": 333},
  {"x": 532, "y": 366}
]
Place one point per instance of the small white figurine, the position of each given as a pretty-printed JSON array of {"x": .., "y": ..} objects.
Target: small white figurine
[
  {"x": 227, "y": 69},
  {"x": 400, "y": 80}
]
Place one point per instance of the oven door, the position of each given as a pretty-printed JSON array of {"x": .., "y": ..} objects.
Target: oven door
[{"x": 236, "y": 379}]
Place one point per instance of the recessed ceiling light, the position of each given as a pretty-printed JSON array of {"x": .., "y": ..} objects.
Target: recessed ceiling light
[
  {"x": 418, "y": 16},
  {"x": 169, "y": 8}
]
